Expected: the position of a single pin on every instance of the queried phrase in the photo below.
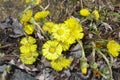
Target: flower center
(60, 32)
(28, 55)
(27, 44)
(51, 49)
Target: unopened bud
(84, 67)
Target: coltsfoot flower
(41, 15)
(96, 14)
(61, 63)
(27, 48)
(51, 50)
(26, 40)
(28, 58)
(28, 44)
(48, 26)
(26, 16)
(84, 12)
(76, 30)
(29, 28)
(61, 32)
(113, 48)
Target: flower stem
(93, 51)
(81, 3)
(81, 45)
(39, 28)
(102, 75)
(27, 8)
(107, 61)
(20, 14)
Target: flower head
(113, 48)
(84, 12)
(26, 16)
(96, 14)
(51, 50)
(48, 26)
(28, 39)
(41, 15)
(76, 30)
(60, 32)
(28, 58)
(28, 44)
(27, 48)
(29, 28)
(61, 63)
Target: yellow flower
(113, 48)
(26, 16)
(51, 50)
(41, 15)
(84, 12)
(84, 70)
(76, 30)
(29, 58)
(29, 28)
(61, 63)
(48, 26)
(28, 39)
(60, 32)
(28, 48)
(96, 14)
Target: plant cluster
(62, 37)
(59, 37)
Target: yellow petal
(84, 70)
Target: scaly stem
(93, 51)
(105, 77)
(81, 45)
(40, 29)
(20, 14)
(27, 8)
(107, 61)
(81, 3)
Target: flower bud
(83, 67)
